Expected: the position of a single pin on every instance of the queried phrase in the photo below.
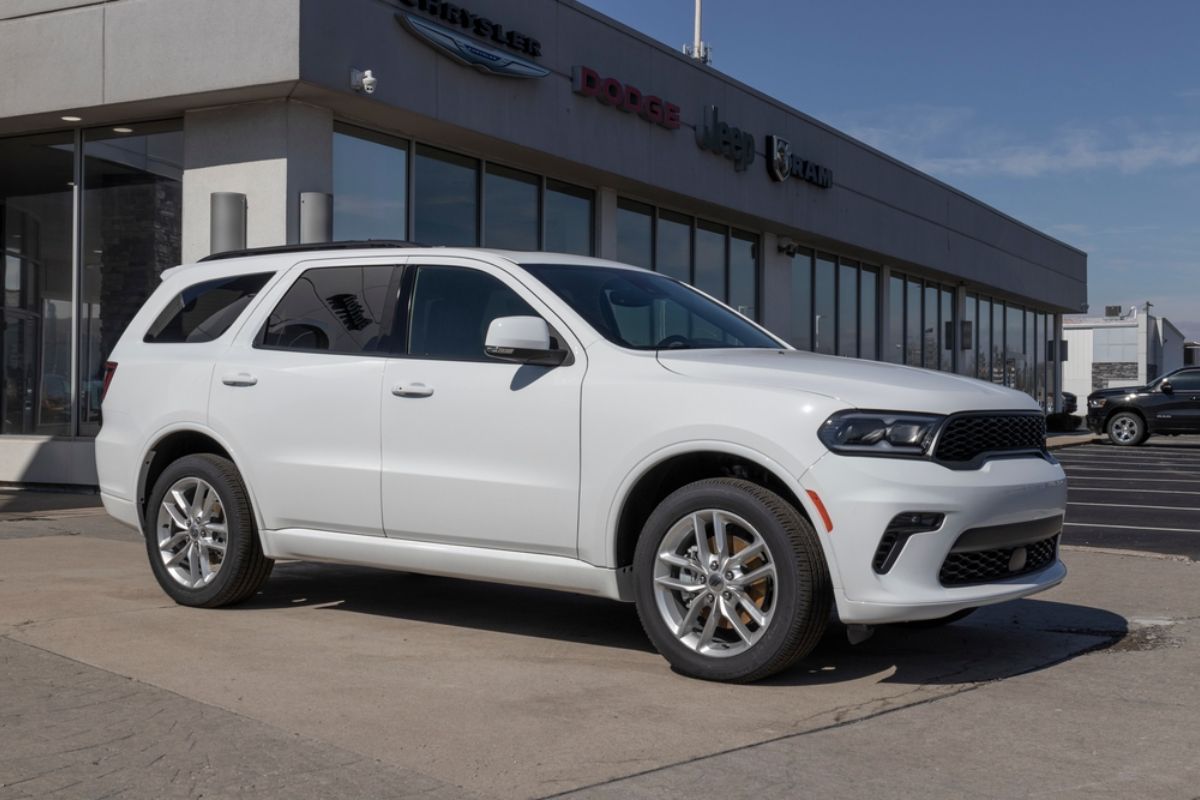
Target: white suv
(566, 423)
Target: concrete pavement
(451, 688)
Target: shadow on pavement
(993, 643)
(25, 501)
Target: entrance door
(477, 451)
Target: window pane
(802, 273)
(984, 339)
(370, 185)
(913, 333)
(999, 369)
(673, 251)
(35, 320)
(1186, 381)
(452, 308)
(445, 203)
(510, 209)
(1014, 366)
(333, 310)
(569, 215)
(929, 329)
(743, 273)
(847, 310)
(635, 237)
(966, 358)
(1030, 354)
(896, 327)
(132, 207)
(947, 331)
(868, 313)
(204, 311)
(710, 259)
(824, 304)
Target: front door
(1179, 410)
(299, 394)
(477, 451)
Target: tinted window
(452, 308)
(203, 311)
(1185, 381)
(334, 310)
(645, 311)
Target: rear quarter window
(205, 310)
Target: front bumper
(864, 494)
(1095, 420)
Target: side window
(343, 310)
(203, 311)
(452, 308)
(1186, 381)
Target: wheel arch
(171, 445)
(667, 471)
(1137, 412)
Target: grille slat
(984, 566)
(968, 436)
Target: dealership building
(139, 134)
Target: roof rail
(317, 246)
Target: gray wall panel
(51, 62)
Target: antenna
(698, 49)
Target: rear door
(1180, 409)
(298, 393)
(477, 451)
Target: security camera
(786, 245)
(363, 81)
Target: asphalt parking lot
(1135, 498)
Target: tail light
(110, 369)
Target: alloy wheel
(1124, 430)
(193, 532)
(715, 583)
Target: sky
(1079, 118)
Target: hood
(856, 382)
(1117, 391)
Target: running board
(448, 560)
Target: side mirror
(522, 340)
(1166, 387)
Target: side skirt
(453, 561)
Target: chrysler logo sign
(472, 52)
(782, 164)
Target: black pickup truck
(1168, 405)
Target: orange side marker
(821, 510)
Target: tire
(791, 603)
(1126, 429)
(940, 622)
(203, 575)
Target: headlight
(880, 433)
(1097, 402)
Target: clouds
(951, 142)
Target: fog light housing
(897, 534)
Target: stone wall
(1113, 373)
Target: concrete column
(270, 152)
(776, 290)
(606, 223)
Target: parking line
(1131, 505)
(1161, 471)
(1138, 462)
(1123, 480)
(1127, 527)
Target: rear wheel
(731, 581)
(201, 537)
(1126, 429)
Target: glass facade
(384, 186)
(122, 187)
(714, 258)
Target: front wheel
(201, 537)
(1126, 429)
(731, 582)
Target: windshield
(645, 311)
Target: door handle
(239, 379)
(412, 390)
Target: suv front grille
(967, 437)
(984, 566)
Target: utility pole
(698, 49)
